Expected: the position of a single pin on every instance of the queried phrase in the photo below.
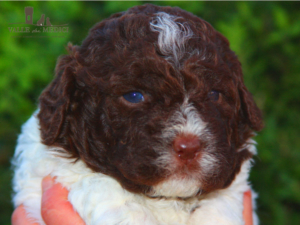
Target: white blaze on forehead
(172, 35)
(186, 121)
(194, 123)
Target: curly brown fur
(83, 112)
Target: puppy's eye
(134, 97)
(214, 95)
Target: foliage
(265, 36)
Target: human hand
(247, 212)
(57, 210)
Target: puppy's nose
(186, 147)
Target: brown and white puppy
(147, 122)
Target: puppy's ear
(56, 99)
(249, 110)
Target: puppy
(147, 122)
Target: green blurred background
(265, 36)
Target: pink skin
(57, 210)
(247, 212)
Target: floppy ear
(55, 100)
(249, 110)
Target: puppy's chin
(184, 180)
(176, 187)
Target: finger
(247, 212)
(56, 209)
(19, 217)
